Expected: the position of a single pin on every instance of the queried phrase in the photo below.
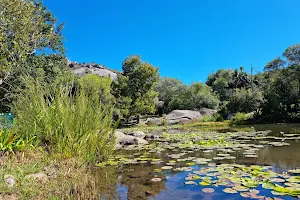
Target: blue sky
(187, 39)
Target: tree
(201, 96)
(96, 84)
(44, 67)
(134, 88)
(244, 100)
(26, 26)
(177, 95)
(219, 82)
(169, 89)
(282, 88)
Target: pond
(234, 163)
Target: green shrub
(213, 118)
(65, 120)
(241, 118)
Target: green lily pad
(205, 183)
(192, 178)
(191, 163)
(268, 185)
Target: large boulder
(154, 121)
(182, 116)
(138, 134)
(123, 139)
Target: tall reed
(64, 118)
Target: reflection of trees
(106, 181)
(285, 157)
(138, 181)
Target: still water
(133, 182)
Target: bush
(213, 118)
(63, 119)
(241, 118)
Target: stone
(140, 141)
(39, 177)
(154, 121)
(9, 180)
(177, 116)
(92, 68)
(122, 140)
(139, 134)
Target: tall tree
(26, 26)
(282, 88)
(134, 87)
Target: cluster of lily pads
(224, 144)
(245, 180)
(177, 152)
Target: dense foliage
(174, 94)
(25, 27)
(282, 88)
(134, 88)
(45, 67)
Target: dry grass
(67, 178)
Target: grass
(64, 118)
(192, 123)
(71, 179)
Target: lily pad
(190, 183)
(208, 190)
(230, 191)
(268, 185)
(166, 167)
(205, 183)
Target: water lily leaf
(191, 163)
(277, 180)
(268, 185)
(205, 183)
(166, 167)
(190, 183)
(192, 178)
(250, 184)
(294, 192)
(208, 190)
(281, 189)
(230, 191)
(240, 188)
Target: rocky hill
(92, 68)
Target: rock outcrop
(92, 68)
(124, 140)
(181, 116)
